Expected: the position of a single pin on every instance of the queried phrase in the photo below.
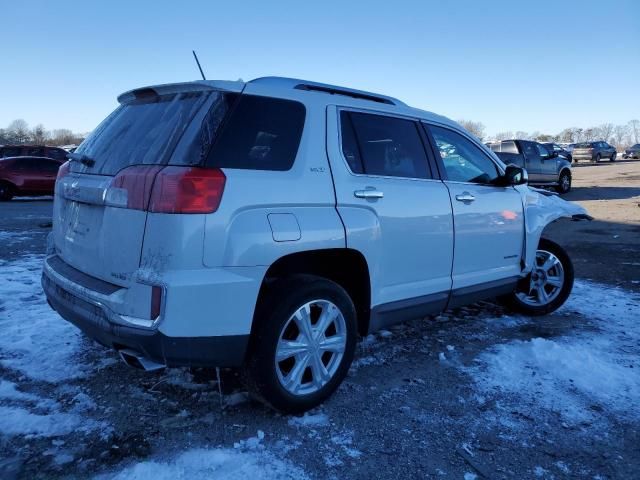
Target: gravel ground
(473, 393)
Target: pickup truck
(544, 166)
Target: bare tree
(634, 127)
(522, 135)
(39, 134)
(18, 131)
(503, 136)
(476, 128)
(590, 134)
(63, 136)
(605, 131)
(620, 133)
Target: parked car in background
(27, 176)
(55, 153)
(561, 151)
(632, 152)
(544, 166)
(266, 224)
(594, 152)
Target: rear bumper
(97, 321)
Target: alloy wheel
(545, 281)
(310, 347)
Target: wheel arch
(345, 266)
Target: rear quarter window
(261, 133)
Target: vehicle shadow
(601, 193)
(602, 163)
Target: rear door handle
(466, 197)
(368, 194)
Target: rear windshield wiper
(82, 158)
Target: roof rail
(325, 88)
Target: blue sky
(537, 65)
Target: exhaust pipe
(137, 360)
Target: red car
(56, 153)
(27, 176)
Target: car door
(49, 171)
(488, 219)
(533, 162)
(393, 210)
(548, 163)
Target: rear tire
(613, 158)
(6, 191)
(551, 280)
(564, 183)
(597, 159)
(309, 324)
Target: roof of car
(348, 96)
(30, 157)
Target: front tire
(564, 183)
(548, 286)
(303, 343)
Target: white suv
(265, 225)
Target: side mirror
(514, 175)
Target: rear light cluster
(167, 189)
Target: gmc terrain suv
(265, 225)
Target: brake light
(187, 190)
(64, 170)
(167, 189)
(131, 187)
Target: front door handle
(368, 194)
(466, 197)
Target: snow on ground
(581, 374)
(248, 459)
(8, 238)
(35, 340)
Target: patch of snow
(442, 357)
(385, 333)
(35, 340)
(310, 420)
(470, 476)
(221, 464)
(18, 421)
(576, 373)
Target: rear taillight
(187, 190)
(131, 187)
(64, 170)
(167, 189)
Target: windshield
(583, 145)
(147, 130)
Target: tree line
(620, 136)
(18, 132)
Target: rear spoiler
(168, 88)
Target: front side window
(261, 133)
(542, 150)
(381, 145)
(463, 160)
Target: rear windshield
(583, 145)
(234, 131)
(507, 146)
(144, 131)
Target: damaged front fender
(540, 209)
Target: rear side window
(56, 154)
(11, 152)
(381, 145)
(261, 133)
(143, 131)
